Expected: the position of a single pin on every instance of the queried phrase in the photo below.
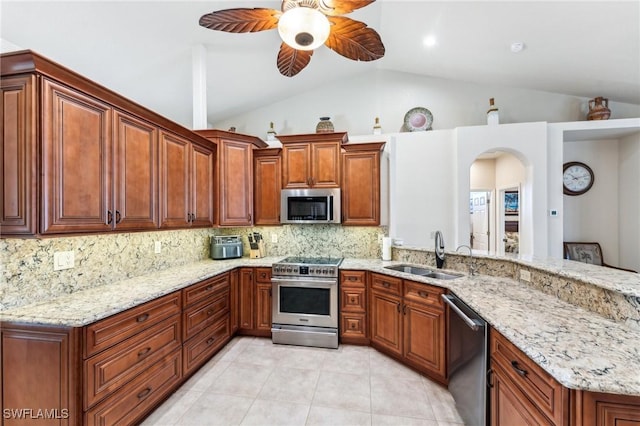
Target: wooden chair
(587, 253)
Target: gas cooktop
(304, 260)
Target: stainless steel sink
(423, 272)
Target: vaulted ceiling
(144, 49)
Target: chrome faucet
(472, 263)
(439, 249)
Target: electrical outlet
(63, 260)
(157, 248)
(525, 275)
(380, 237)
(274, 238)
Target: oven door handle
(304, 281)
(292, 330)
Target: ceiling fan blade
(354, 40)
(341, 7)
(243, 20)
(291, 61)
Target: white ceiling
(143, 49)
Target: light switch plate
(157, 247)
(525, 275)
(63, 260)
(274, 238)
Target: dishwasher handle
(473, 324)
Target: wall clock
(577, 178)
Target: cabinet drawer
(139, 395)
(204, 314)
(110, 369)
(353, 299)
(263, 275)
(542, 389)
(387, 284)
(199, 349)
(353, 278)
(423, 293)
(353, 325)
(204, 289)
(115, 329)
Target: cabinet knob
(210, 312)
(143, 317)
(210, 340)
(353, 300)
(385, 284)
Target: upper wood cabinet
(234, 176)
(18, 147)
(311, 160)
(78, 158)
(267, 181)
(361, 184)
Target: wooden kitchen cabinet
(41, 366)
(603, 409)
(408, 321)
(353, 307)
(267, 182)
(186, 183)
(521, 390)
(18, 148)
(263, 302)
(234, 176)
(255, 301)
(79, 158)
(361, 184)
(246, 302)
(312, 160)
(234, 297)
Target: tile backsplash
(26, 265)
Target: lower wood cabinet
(603, 409)
(353, 308)
(408, 321)
(255, 301)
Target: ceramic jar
(599, 109)
(325, 125)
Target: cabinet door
(246, 299)
(266, 187)
(202, 190)
(325, 165)
(296, 166)
(424, 341)
(135, 173)
(18, 109)
(234, 277)
(76, 161)
(509, 406)
(386, 322)
(174, 181)
(263, 308)
(41, 368)
(601, 409)
(236, 183)
(361, 188)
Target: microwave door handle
(330, 205)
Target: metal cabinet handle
(109, 217)
(144, 393)
(519, 370)
(404, 310)
(398, 307)
(210, 340)
(490, 378)
(142, 318)
(385, 284)
(118, 217)
(210, 312)
(144, 352)
(209, 287)
(423, 294)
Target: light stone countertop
(581, 349)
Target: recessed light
(429, 41)
(517, 47)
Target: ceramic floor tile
(341, 390)
(304, 358)
(241, 380)
(261, 355)
(170, 412)
(386, 420)
(400, 397)
(326, 416)
(206, 376)
(350, 360)
(264, 413)
(290, 384)
(213, 410)
(382, 365)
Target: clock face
(577, 178)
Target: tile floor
(253, 382)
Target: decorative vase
(493, 117)
(599, 109)
(377, 129)
(271, 133)
(325, 125)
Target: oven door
(311, 302)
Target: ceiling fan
(305, 25)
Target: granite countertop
(581, 349)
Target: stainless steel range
(305, 301)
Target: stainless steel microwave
(311, 205)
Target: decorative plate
(418, 119)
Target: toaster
(226, 247)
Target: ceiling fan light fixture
(304, 28)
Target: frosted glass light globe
(304, 28)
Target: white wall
(527, 142)
(510, 171)
(593, 216)
(629, 202)
(422, 184)
(483, 174)
(354, 103)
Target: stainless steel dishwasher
(467, 338)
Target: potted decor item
(599, 109)
(325, 125)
